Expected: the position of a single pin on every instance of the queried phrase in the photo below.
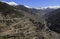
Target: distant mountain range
(39, 11)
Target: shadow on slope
(53, 20)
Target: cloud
(12, 3)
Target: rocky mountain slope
(54, 19)
(20, 24)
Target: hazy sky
(37, 3)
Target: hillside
(54, 19)
(20, 24)
(16, 23)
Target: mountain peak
(51, 7)
(12, 3)
(27, 6)
(15, 4)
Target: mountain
(22, 7)
(54, 19)
(46, 10)
(33, 10)
(39, 12)
(18, 22)
(51, 7)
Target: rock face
(19, 24)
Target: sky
(36, 3)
